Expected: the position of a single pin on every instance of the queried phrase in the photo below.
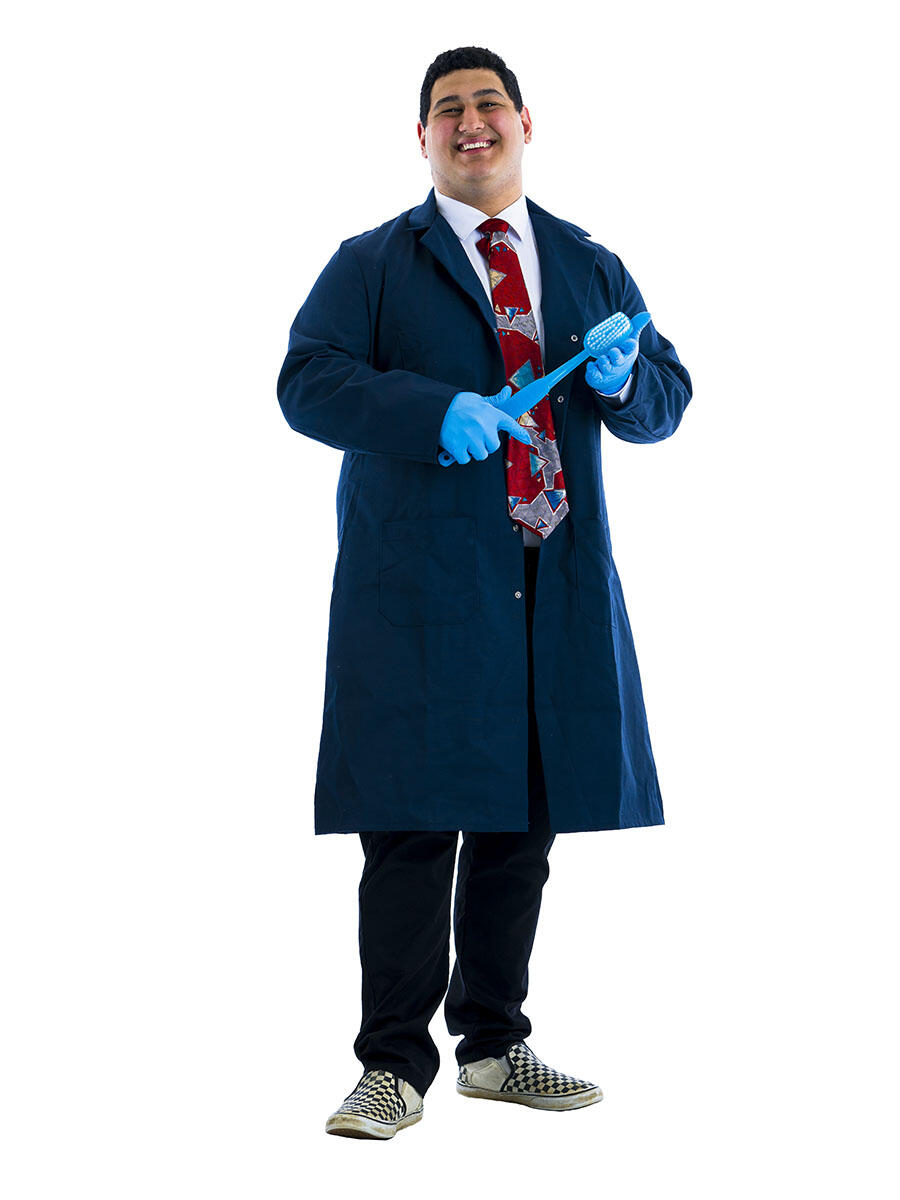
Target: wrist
(614, 387)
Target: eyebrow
(480, 92)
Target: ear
(525, 116)
(420, 130)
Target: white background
(181, 968)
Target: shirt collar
(463, 219)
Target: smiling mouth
(479, 147)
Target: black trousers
(404, 927)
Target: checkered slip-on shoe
(522, 1078)
(378, 1106)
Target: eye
(485, 104)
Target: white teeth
(473, 145)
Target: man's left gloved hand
(609, 373)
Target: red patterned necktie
(536, 492)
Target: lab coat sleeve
(660, 385)
(327, 389)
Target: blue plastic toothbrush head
(599, 339)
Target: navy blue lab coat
(425, 723)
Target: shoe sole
(551, 1103)
(355, 1126)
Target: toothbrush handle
(546, 382)
(530, 395)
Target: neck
(490, 203)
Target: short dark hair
(467, 58)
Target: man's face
(470, 107)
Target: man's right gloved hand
(472, 422)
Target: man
(481, 675)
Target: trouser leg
(404, 946)
(498, 897)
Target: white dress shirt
(464, 220)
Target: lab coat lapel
(443, 243)
(567, 265)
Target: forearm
(328, 389)
(652, 411)
(351, 406)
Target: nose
(470, 121)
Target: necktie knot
(491, 226)
(494, 225)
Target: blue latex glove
(471, 425)
(609, 373)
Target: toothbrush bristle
(606, 334)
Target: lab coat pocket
(427, 571)
(594, 569)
